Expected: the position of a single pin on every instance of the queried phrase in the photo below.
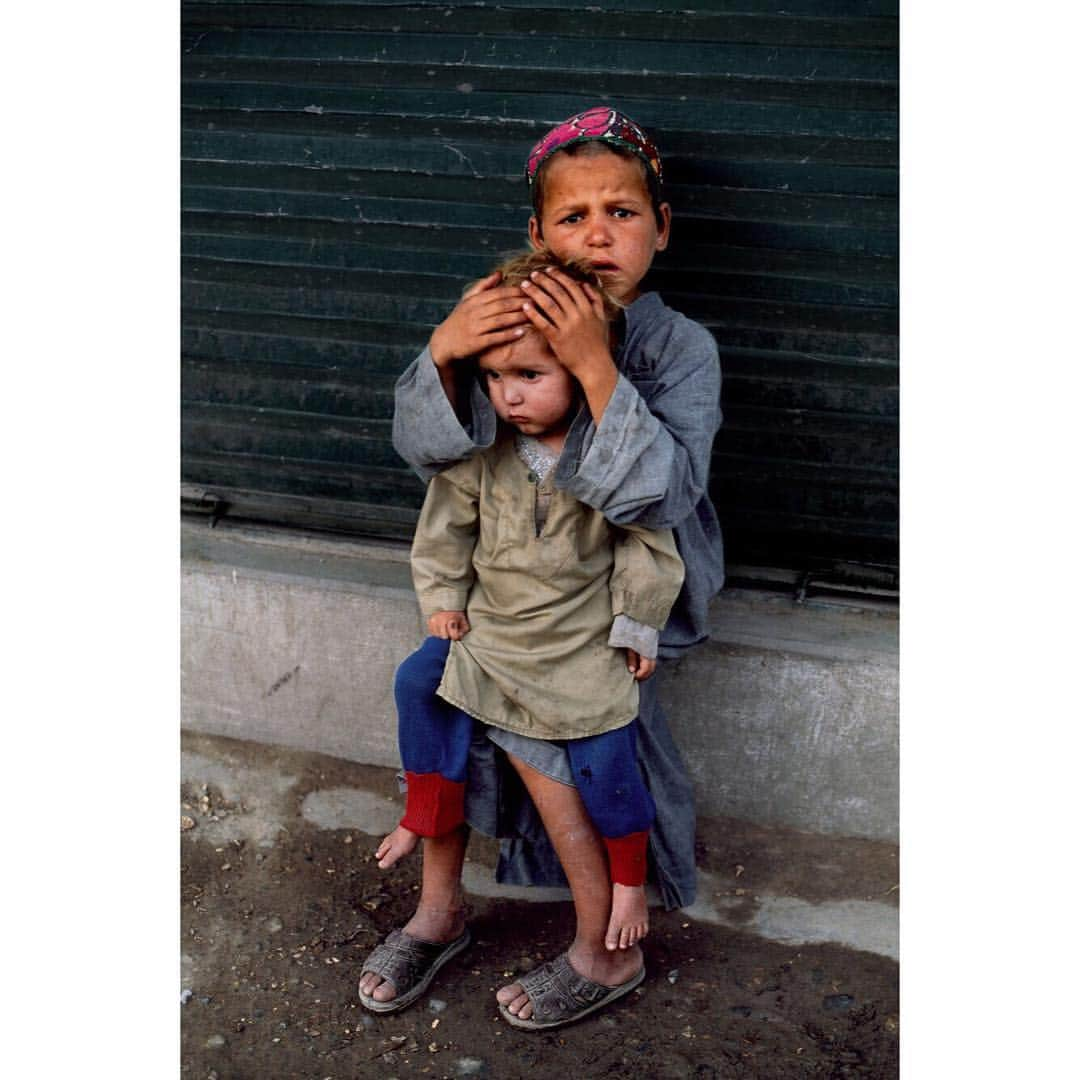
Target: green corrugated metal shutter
(349, 167)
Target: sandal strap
(402, 960)
(557, 991)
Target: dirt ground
(274, 933)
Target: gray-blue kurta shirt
(647, 463)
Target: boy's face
(528, 386)
(597, 208)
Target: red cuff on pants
(626, 856)
(433, 804)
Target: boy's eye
(491, 376)
(570, 219)
(622, 212)
(528, 376)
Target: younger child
(530, 595)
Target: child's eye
(570, 219)
(528, 376)
(622, 212)
(491, 376)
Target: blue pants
(434, 737)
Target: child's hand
(488, 314)
(448, 624)
(570, 315)
(641, 666)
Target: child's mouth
(604, 267)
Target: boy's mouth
(604, 266)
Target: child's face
(528, 386)
(597, 208)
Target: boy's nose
(598, 234)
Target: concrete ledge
(788, 716)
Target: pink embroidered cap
(601, 124)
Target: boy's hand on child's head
(487, 315)
(448, 624)
(570, 315)
(640, 666)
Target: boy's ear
(664, 235)
(536, 237)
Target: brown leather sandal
(559, 995)
(409, 965)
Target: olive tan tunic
(537, 659)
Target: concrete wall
(788, 716)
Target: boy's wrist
(598, 378)
(442, 352)
(594, 367)
(435, 348)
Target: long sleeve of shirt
(646, 577)
(426, 431)
(442, 551)
(647, 462)
(645, 584)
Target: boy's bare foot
(396, 845)
(629, 921)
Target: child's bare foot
(629, 921)
(396, 845)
